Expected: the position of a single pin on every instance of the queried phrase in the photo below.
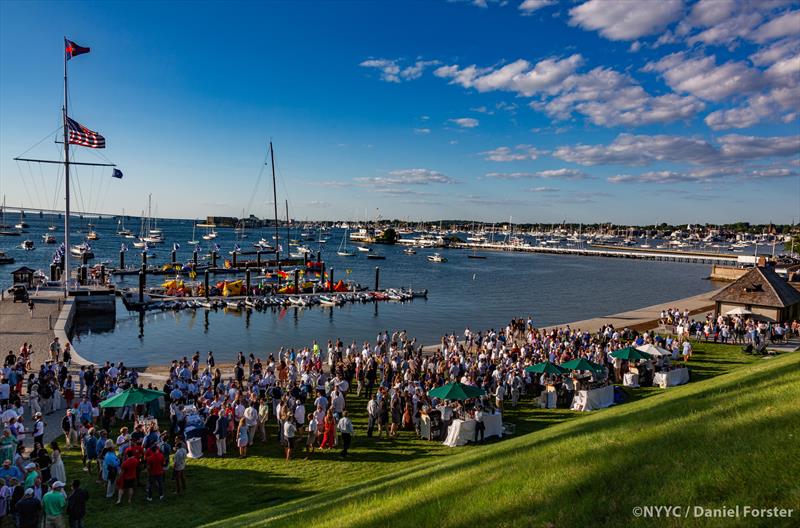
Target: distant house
(761, 292)
(23, 275)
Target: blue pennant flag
(236, 248)
(176, 246)
(216, 247)
(123, 248)
(117, 174)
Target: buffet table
(630, 380)
(463, 431)
(588, 400)
(670, 378)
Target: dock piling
(377, 277)
(331, 279)
(121, 260)
(205, 281)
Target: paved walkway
(17, 326)
(646, 318)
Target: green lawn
(713, 441)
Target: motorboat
(436, 257)
(82, 250)
(92, 235)
(363, 249)
(27, 245)
(410, 251)
(48, 238)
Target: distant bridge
(39, 210)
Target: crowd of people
(300, 398)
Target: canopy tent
(739, 310)
(630, 354)
(545, 367)
(581, 364)
(456, 391)
(132, 396)
(653, 350)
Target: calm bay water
(462, 292)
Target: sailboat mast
(66, 181)
(275, 203)
(287, 226)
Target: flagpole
(66, 180)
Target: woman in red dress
(329, 430)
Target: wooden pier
(670, 255)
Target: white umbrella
(738, 311)
(653, 350)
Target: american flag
(80, 135)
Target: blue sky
(629, 112)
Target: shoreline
(644, 318)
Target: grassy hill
(730, 437)
(729, 440)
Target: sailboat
(140, 243)
(121, 231)
(343, 250)
(193, 241)
(4, 231)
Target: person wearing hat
(38, 429)
(54, 504)
(29, 510)
(30, 474)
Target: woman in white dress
(57, 470)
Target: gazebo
(762, 293)
(23, 275)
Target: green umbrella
(630, 354)
(545, 367)
(456, 391)
(132, 396)
(580, 364)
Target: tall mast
(66, 181)
(287, 227)
(275, 203)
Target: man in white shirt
(345, 427)
(251, 420)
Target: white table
(630, 380)
(463, 431)
(588, 400)
(677, 376)
(548, 400)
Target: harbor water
(479, 293)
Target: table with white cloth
(548, 400)
(588, 400)
(630, 380)
(194, 447)
(670, 378)
(463, 431)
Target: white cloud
(705, 175)
(609, 98)
(529, 6)
(465, 122)
(628, 149)
(392, 70)
(409, 177)
(319, 203)
(422, 131)
(550, 174)
(738, 147)
(518, 153)
(519, 76)
(700, 76)
(621, 20)
(776, 52)
(781, 104)
(782, 26)
(543, 190)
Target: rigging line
(255, 190)
(40, 141)
(43, 190)
(25, 184)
